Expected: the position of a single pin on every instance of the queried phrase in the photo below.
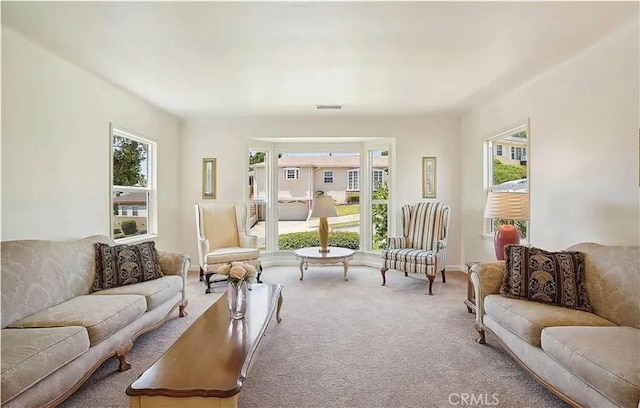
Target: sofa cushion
(404, 255)
(120, 265)
(549, 277)
(606, 358)
(527, 319)
(29, 355)
(231, 255)
(100, 315)
(155, 292)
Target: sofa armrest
(175, 263)
(487, 279)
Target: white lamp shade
(323, 207)
(507, 205)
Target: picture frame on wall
(429, 177)
(209, 177)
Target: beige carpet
(351, 344)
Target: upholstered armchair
(423, 246)
(221, 230)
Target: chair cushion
(155, 292)
(607, 358)
(526, 319)
(232, 254)
(120, 265)
(29, 355)
(542, 276)
(100, 315)
(409, 255)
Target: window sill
(137, 239)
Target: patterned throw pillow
(555, 278)
(121, 265)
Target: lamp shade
(323, 207)
(507, 205)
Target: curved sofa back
(612, 275)
(38, 274)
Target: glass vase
(237, 299)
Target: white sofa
(587, 359)
(56, 332)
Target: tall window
(353, 179)
(507, 172)
(379, 199)
(133, 185)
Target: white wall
(226, 140)
(583, 150)
(56, 145)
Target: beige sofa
(587, 359)
(55, 332)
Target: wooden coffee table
(313, 255)
(210, 361)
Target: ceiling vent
(334, 107)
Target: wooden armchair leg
(383, 271)
(201, 274)
(431, 279)
(259, 273)
(444, 280)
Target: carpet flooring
(351, 344)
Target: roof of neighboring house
(131, 198)
(327, 161)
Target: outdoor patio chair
(423, 246)
(221, 230)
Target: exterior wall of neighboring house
(295, 195)
(511, 151)
(337, 188)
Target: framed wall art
(209, 178)
(429, 178)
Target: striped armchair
(423, 246)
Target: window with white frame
(353, 179)
(499, 150)
(518, 153)
(132, 185)
(504, 174)
(377, 178)
(291, 173)
(327, 177)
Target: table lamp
(506, 205)
(322, 208)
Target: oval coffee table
(312, 255)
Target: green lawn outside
(347, 209)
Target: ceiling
(202, 59)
